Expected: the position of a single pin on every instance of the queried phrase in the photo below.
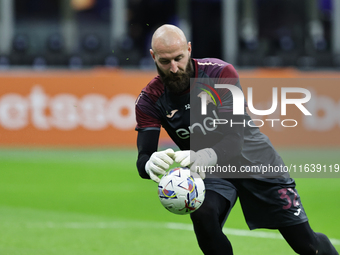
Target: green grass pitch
(71, 202)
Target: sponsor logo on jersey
(206, 125)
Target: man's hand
(158, 163)
(196, 160)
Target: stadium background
(70, 72)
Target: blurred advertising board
(69, 108)
(96, 107)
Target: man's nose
(174, 67)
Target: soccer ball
(181, 191)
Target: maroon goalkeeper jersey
(157, 107)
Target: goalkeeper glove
(196, 160)
(158, 163)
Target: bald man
(170, 100)
(171, 53)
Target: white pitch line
(240, 232)
(156, 225)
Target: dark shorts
(265, 204)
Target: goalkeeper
(168, 101)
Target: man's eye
(164, 62)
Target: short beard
(177, 82)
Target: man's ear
(152, 54)
(189, 48)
